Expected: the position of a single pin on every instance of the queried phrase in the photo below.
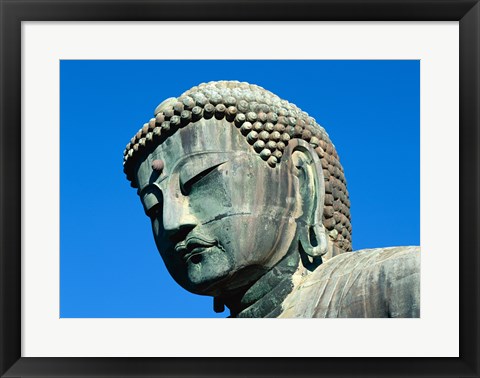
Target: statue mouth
(193, 247)
(195, 256)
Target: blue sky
(109, 265)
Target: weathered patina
(248, 203)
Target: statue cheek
(252, 239)
(211, 199)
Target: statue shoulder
(380, 282)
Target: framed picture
(86, 314)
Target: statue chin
(203, 270)
(212, 272)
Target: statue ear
(305, 164)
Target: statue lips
(194, 245)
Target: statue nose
(177, 218)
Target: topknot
(268, 124)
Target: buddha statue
(248, 203)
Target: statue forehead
(205, 137)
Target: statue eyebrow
(141, 192)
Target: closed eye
(154, 211)
(187, 186)
(152, 200)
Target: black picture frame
(13, 12)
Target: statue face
(220, 215)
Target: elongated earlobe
(307, 167)
(313, 239)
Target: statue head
(234, 179)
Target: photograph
(240, 189)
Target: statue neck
(265, 297)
